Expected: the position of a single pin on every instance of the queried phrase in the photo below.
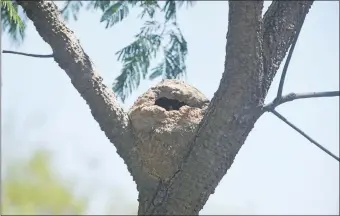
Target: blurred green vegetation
(34, 186)
(30, 187)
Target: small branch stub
(165, 118)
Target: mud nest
(165, 118)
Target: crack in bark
(161, 193)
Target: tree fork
(255, 49)
(229, 119)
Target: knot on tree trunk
(165, 118)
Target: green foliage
(149, 7)
(136, 58)
(71, 8)
(95, 5)
(151, 40)
(31, 188)
(173, 64)
(12, 23)
(155, 38)
(116, 12)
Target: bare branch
(70, 56)
(305, 135)
(296, 96)
(28, 54)
(290, 97)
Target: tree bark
(71, 57)
(254, 52)
(255, 48)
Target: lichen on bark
(164, 135)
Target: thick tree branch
(235, 106)
(290, 54)
(230, 116)
(70, 56)
(28, 54)
(281, 23)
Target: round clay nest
(169, 105)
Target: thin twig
(296, 96)
(28, 54)
(291, 50)
(304, 134)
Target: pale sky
(277, 171)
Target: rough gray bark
(230, 116)
(71, 57)
(280, 23)
(255, 48)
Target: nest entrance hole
(169, 104)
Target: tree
(255, 49)
(31, 188)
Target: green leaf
(149, 7)
(136, 59)
(177, 41)
(71, 7)
(137, 56)
(173, 64)
(123, 83)
(190, 3)
(149, 27)
(170, 10)
(157, 71)
(99, 4)
(115, 13)
(12, 23)
(173, 68)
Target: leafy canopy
(154, 39)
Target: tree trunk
(255, 49)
